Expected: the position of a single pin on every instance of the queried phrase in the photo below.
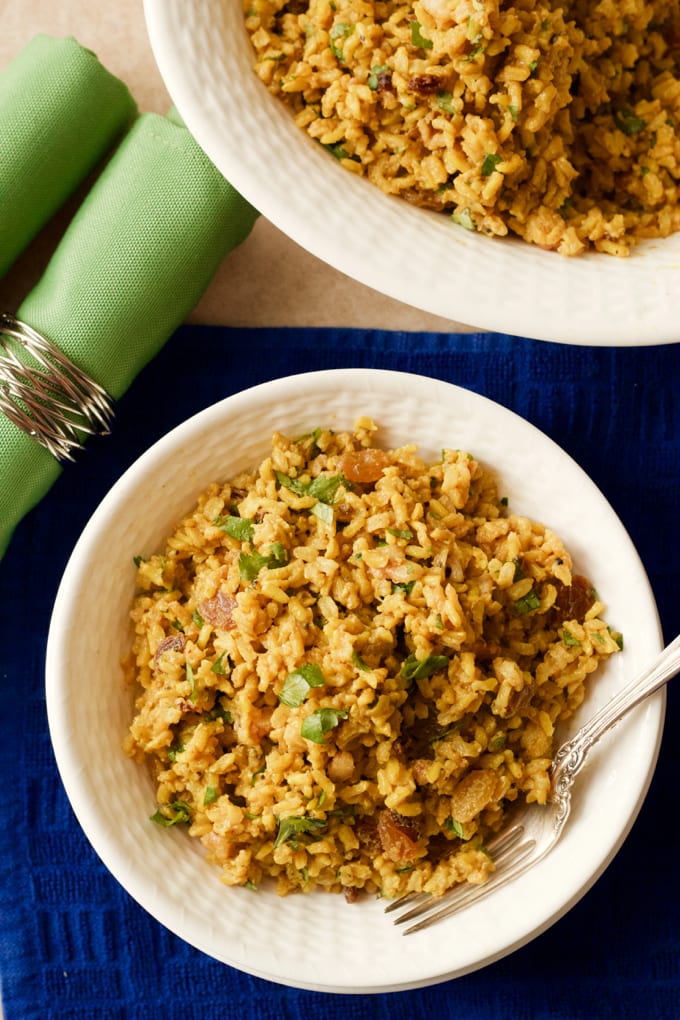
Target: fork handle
(571, 756)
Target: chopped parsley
(295, 485)
(250, 564)
(210, 796)
(373, 80)
(176, 813)
(191, 678)
(359, 663)
(445, 102)
(240, 528)
(316, 725)
(491, 161)
(218, 666)
(527, 602)
(175, 750)
(405, 533)
(475, 51)
(455, 827)
(323, 511)
(418, 669)
(298, 684)
(463, 219)
(295, 825)
(629, 123)
(340, 152)
(337, 35)
(417, 37)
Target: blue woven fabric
(73, 944)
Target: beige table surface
(269, 280)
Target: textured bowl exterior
(413, 255)
(318, 941)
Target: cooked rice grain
(555, 122)
(352, 663)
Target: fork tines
(507, 850)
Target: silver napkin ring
(45, 394)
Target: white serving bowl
(414, 255)
(318, 941)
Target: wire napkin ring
(48, 396)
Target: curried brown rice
(349, 663)
(557, 122)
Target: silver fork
(534, 830)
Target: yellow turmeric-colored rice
(349, 664)
(557, 122)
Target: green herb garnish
(189, 673)
(455, 827)
(491, 161)
(445, 102)
(294, 825)
(519, 574)
(175, 750)
(176, 813)
(218, 666)
(316, 725)
(463, 219)
(405, 533)
(294, 484)
(629, 123)
(527, 603)
(373, 80)
(240, 528)
(323, 487)
(298, 684)
(323, 511)
(359, 663)
(418, 669)
(339, 32)
(417, 37)
(210, 796)
(250, 564)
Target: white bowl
(318, 941)
(411, 254)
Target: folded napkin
(133, 262)
(60, 113)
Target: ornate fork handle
(571, 756)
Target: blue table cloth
(75, 946)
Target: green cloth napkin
(133, 262)
(60, 113)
